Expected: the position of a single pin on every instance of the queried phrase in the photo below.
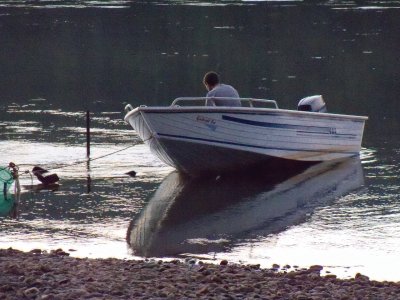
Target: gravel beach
(56, 275)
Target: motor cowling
(312, 103)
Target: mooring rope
(81, 161)
(90, 159)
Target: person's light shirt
(223, 91)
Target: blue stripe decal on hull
(260, 113)
(250, 146)
(301, 128)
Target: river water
(61, 58)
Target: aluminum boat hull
(197, 140)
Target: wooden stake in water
(88, 135)
(88, 150)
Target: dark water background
(60, 58)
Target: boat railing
(210, 101)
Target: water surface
(61, 58)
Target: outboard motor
(312, 103)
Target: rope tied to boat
(90, 159)
(74, 163)
(149, 138)
(10, 173)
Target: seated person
(217, 89)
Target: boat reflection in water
(200, 216)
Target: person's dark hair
(211, 78)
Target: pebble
(31, 292)
(223, 262)
(64, 277)
(275, 266)
(36, 251)
(315, 268)
(48, 297)
(361, 277)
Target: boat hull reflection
(199, 216)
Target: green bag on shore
(6, 178)
(6, 204)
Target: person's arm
(210, 101)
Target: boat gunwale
(243, 110)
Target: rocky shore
(56, 275)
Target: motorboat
(191, 215)
(195, 138)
